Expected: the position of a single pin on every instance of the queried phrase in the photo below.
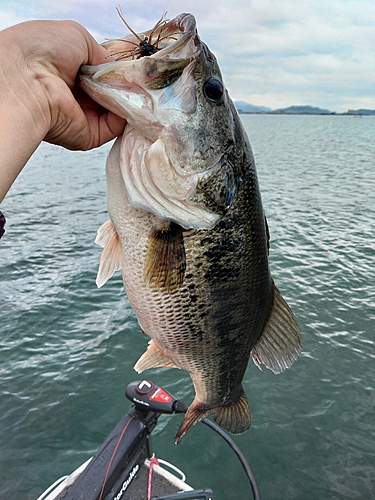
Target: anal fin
(153, 358)
(193, 415)
(165, 262)
(280, 343)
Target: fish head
(182, 148)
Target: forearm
(19, 138)
(22, 114)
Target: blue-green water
(67, 349)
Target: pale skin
(39, 96)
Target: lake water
(67, 349)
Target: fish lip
(186, 23)
(95, 72)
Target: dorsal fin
(280, 343)
(110, 260)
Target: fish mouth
(133, 86)
(176, 45)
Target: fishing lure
(146, 46)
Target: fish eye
(214, 89)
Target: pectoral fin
(110, 260)
(280, 343)
(153, 358)
(165, 262)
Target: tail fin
(235, 418)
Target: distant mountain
(303, 110)
(246, 107)
(361, 112)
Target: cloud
(292, 51)
(271, 52)
(11, 17)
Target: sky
(274, 53)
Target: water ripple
(67, 349)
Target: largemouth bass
(187, 227)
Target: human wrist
(20, 81)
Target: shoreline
(302, 113)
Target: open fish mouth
(166, 50)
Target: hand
(40, 99)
